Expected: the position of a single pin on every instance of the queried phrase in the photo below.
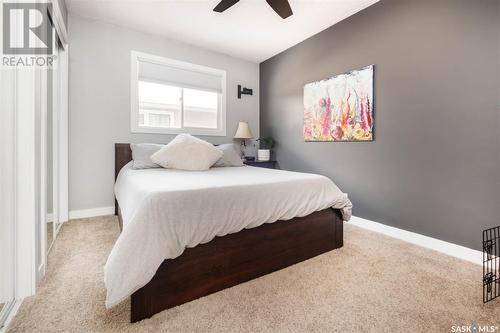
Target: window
(169, 96)
(159, 105)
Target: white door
(7, 194)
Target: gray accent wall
(99, 101)
(434, 167)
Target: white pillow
(231, 157)
(141, 155)
(185, 152)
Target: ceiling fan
(281, 7)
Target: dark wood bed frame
(233, 259)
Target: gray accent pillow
(141, 155)
(231, 157)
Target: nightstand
(262, 164)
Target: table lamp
(243, 132)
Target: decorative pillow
(141, 155)
(231, 157)
(185, 152)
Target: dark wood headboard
(123, 155)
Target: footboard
(233, 259)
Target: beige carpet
(50, 234)
(374, 283)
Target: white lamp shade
(243, 131)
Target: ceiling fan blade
(281, 7)
(224, 4)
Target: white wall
(99, 100)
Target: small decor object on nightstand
(243, 132)
(265, 146)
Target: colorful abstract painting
(340, 108)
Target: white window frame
(134, 96)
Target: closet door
(26, 95)
(57, 146)
(51, 209)
(58, 86)
(7, 191)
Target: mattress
(165, 211)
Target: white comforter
(165, 211)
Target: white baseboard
(450, 249)
(93, 212)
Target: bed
(185, 235)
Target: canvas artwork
(340, 108)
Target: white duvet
(165, 211)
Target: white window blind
(180, 77)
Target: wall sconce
(244, 91)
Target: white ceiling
(249, 30)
